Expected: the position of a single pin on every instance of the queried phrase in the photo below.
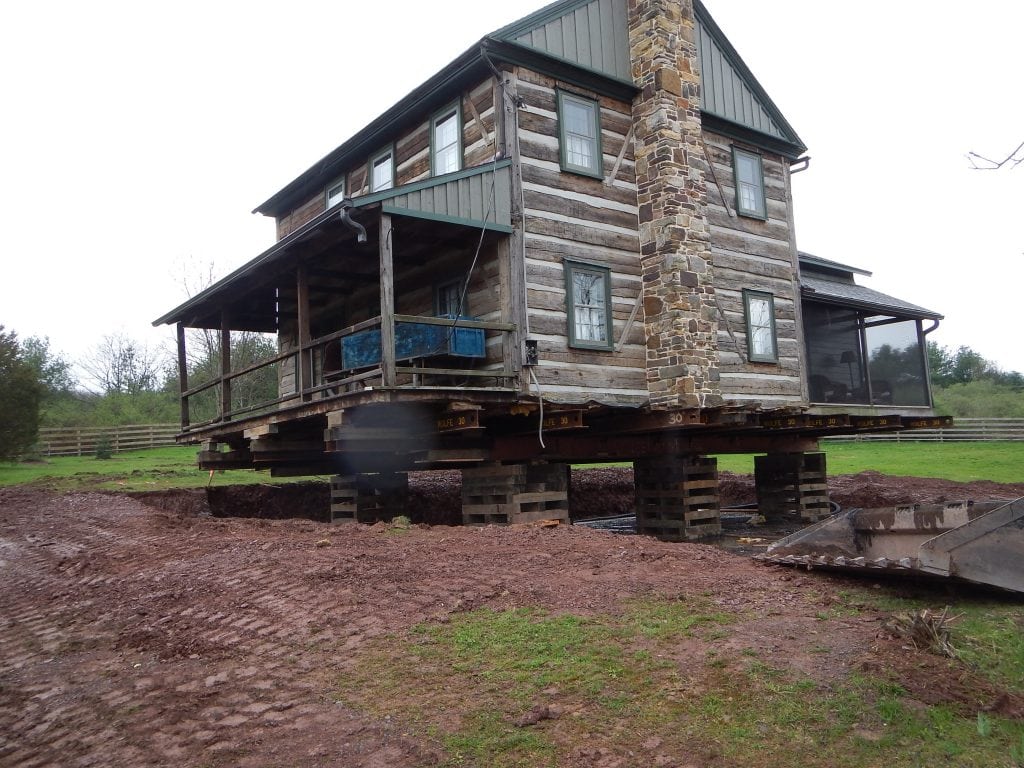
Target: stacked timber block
(368, 498)
(792, 483)
(503, 494)
(677, 497)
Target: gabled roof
(589, 33)
(730, 92)
(584, 42)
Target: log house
(574, 243)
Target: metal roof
(849, 294)
(810, 260)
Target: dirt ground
(139, 633)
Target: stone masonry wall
(675, 253)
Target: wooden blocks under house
(677, 497)
(504, 494)
(792, 483)
(368, 498)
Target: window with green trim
(749, 177)
(589, 305)
(382, 170)
(579, 135)
(759, 309)
(335, 192)
(445, 141)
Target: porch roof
(466, 198)
(859, 297)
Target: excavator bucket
(977, 542)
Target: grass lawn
(626, 681)
(175, 467)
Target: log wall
(568, 216)
(760, 255)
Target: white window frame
(450, 113)
(595, 167)
(335, 192)
(385, 154)
(750, 200)
(573, 308)
(760, 327)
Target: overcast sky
(136, 138)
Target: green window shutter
(579, 135)
(759, 310)
(588, 300)
(749, 177)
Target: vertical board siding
(593, 36)
(568, 216)
(754, 254)
(725, 93)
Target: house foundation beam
(677, 497)
(505, 494)
(792, 483)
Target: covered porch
(409, 289)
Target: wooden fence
(82, 441)
(962, 430)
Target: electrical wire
(540, 399)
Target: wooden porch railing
(311, 381)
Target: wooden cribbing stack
(502, 494)
(792, 483)
(677, 497)
(368, 498)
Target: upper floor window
(445, 144)
(589, 304)
(749, 183)
(382, 171)
(579, 134)
(759, 308)
(336, 192)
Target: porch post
(183, 375)
(302, 373)
(387, 304)
(225, 366)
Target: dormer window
(749, 183)
(382, 171)
(335, 192)
(446, 149)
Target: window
(579, 135)
(336, 192)
(759, 308)
(589, 303)
(749, 183)
(448, 296)
(445, 144)
(382, 171)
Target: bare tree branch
(994, 165)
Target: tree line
(120, 381)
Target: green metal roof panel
(589, 33)
(729, 89)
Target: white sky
(136, 137)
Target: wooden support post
(515, 243)
(183, 375)
(303, 379)
(225, 366)
(387, 303)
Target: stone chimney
(675, 253)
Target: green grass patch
(147, 470)
(620, 682)
(1001, 462)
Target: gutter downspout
(346, 218)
